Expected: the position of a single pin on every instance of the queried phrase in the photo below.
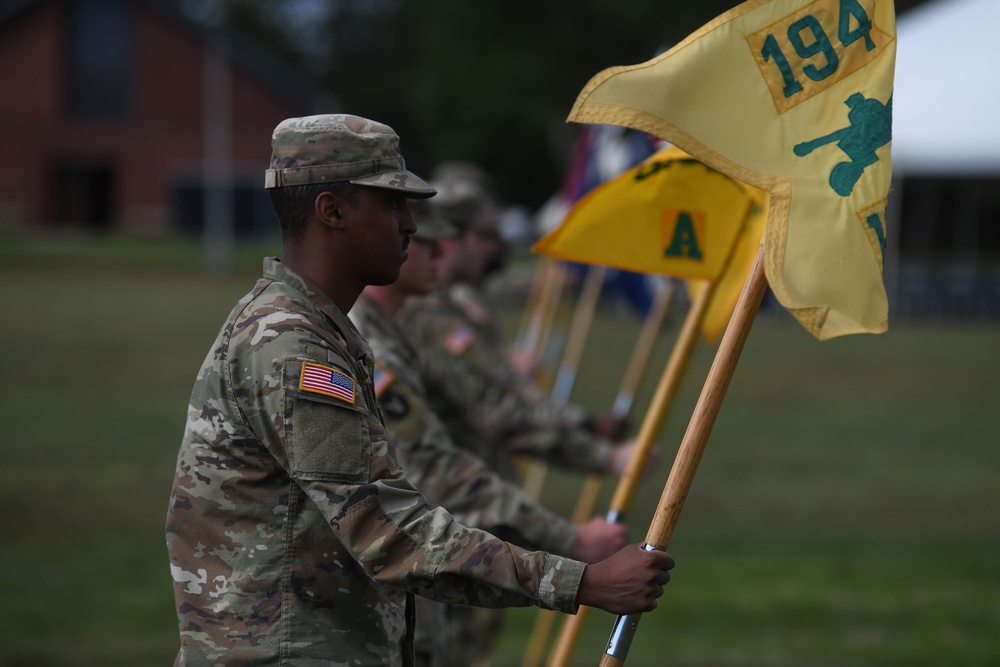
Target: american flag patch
(459, 339)
(383, 378)
(476, 313)
(327, 381)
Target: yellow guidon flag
(669, 215)
(729, 284)
(793, 97)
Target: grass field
(845, 513)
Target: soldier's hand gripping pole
(694, 441)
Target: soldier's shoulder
(429, 311)
(472, 304)
(278, 322)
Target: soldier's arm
(559, 437)
(337, 451)
(473, 377)
(462, 483)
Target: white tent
(946, 105)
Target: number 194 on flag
(798, 58)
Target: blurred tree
(486, 81)
(493, 81)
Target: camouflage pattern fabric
(340, 147)
(476, 312)
(483, 404)
(294, 537)
(454, 478)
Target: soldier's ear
(330, 209)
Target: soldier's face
(381, 231)
(463, 260)
(419, 274)
(484, 248)
(496, 254)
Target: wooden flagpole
(524, 340)
(562, 387)
(693, 444)
(622, 406)
(583, 317)
(561, 392)
(532, 474)
(663, 398)
(549, 307)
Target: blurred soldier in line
(447, 475)
(293, 534)
(468, 197)
(466, 370)
(485, 405)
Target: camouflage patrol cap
(431, 225)
(466, 196)
(340, 147)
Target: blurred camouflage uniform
(464, 366)
(482, 401)
(484, 406)
(293, 535)
(451, 477)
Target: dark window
(949, 241)
(101, 53)
(84, 195)
(949, 217)
(253, 216)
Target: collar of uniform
(356, 345)
(374, 316)
(448, 301)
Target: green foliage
(844, 512)
(486, 81)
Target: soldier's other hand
(629, 582)
(525, 364)
(597, 539)
(622, 454)
(610, 426)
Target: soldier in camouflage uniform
(486, 406)
(293, 534)
(445, 474)
(465, 368)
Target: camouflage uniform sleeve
(555, 435)
(337, 451)
(461, 481)
(474, 376)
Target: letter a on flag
(793, 97)
(669, 215)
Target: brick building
(116, 113)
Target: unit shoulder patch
(394, 405)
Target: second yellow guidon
(669, 215)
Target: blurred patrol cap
(431, 225)
(466, 196)
(340, 147)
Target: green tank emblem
(870, 128)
